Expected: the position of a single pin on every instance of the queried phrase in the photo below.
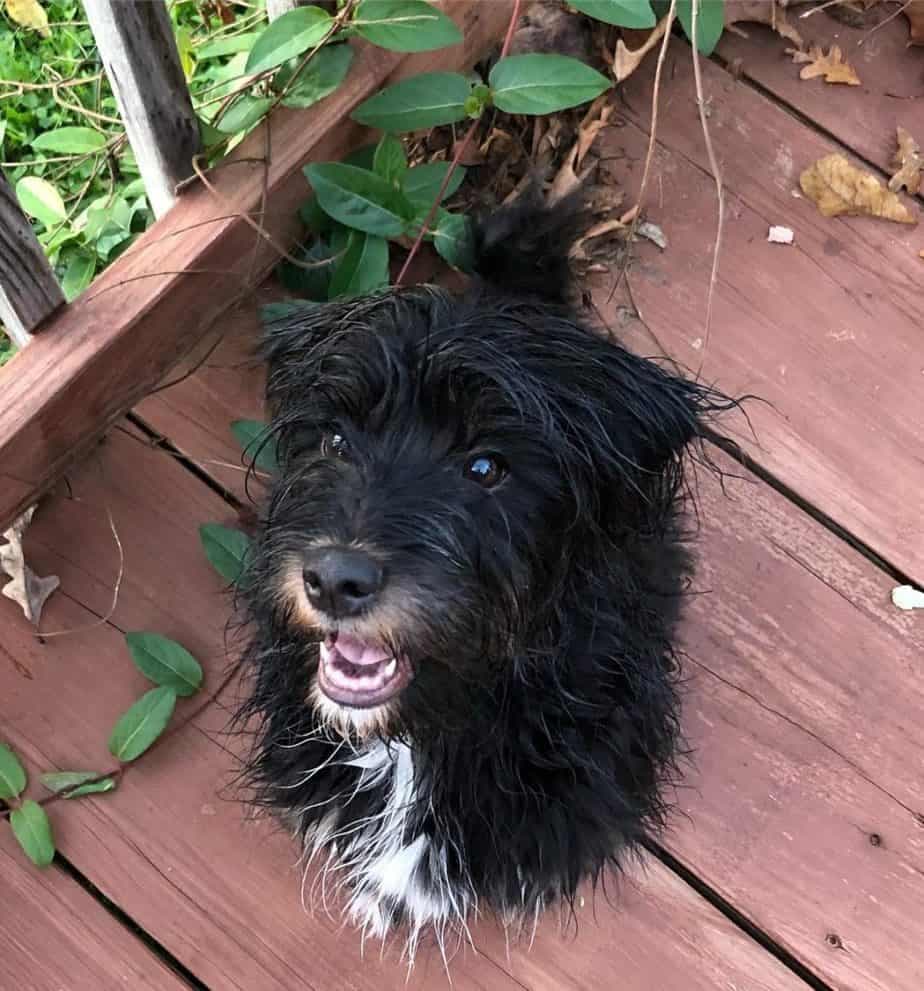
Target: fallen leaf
(831, 65)
(907, 597)
(914, 11)
(596, 118)
(24, 587)
(29, 14)
(578, 251)
(626, 60)
(780, 235)
(837, 187)
(908, 161)
(761, 12)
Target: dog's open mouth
(360, 673)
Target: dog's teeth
(391, 667)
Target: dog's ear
(291, 331)
(638, 418)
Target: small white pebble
(696, 344)
(906, 597)
(780, 235)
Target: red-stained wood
(53, 935)
(863, 118)
(826, 331)
(173, 848)
(108, 348)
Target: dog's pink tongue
(360, 652)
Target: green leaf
(427, 100)
(12, 773)
(225, 548)
(543, 84)
(362, 268)
(70, 141)
(405, 25)
(710, 22)
(226, 46)
(256, 442)
(288, 308)
(422, 182)
(58, 781)
(454, 241)
(184, 48)
(41, 200)
(133, 189)
(359, 199)
(165, 662)
(320, 77)
(287, 37)
(310, 282)
(314, 218)
(142, 724)
(389, 160)
(79, 274)
(33, 832)
(244, 113)
(362, 158)
(623, 13)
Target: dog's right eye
(333, 445)
(487, 470)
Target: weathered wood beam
(118, 339)
(139, 54)
(29, 291)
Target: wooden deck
(800, 860)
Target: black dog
(463, 590)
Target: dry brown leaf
(914, 11)
(762, 12)
(831, 65)
(24, 587)
(626, 60)
(909, 162)
(837, 187)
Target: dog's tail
(522, 248)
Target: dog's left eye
(334, 444)
(487, 470)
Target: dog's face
(447, 468)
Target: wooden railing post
(136, 44)
(29, 291)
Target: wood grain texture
(138, 50)
(115, 342)
(174, 849)
(827, 331)
(53, 935)
(863, 118)
(29, 291)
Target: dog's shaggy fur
(488, 714)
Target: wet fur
(533, 748)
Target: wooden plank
(863, 117)
(172, 848)
(116, 341)
(29, 291)
(138, 51)
(54, 935)
(826, 331)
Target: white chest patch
(378, 862)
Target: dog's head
(451, 471)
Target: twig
(116, 588)
(122, 769)
(461, 148)
(649, 154)
(884, 21)
(717, 176)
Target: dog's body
(463, 590)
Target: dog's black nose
(341, 581)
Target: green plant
(174, 671)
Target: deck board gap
(734, 450)
(128, 923)
(737, 917)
